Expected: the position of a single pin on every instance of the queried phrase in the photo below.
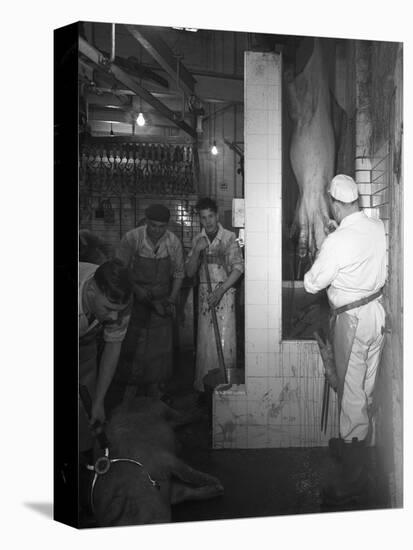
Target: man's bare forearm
(232, 279)
(176, 287)
(107, 368)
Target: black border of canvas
(66, 274)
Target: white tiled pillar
(280, 403)
(262, 218)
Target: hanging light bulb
(141, 120)
(214, 149)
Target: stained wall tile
(256, 267)
(255, 220)
(257, 147)
(256, 317)
(256, 241)
(257, 97)
(256, 171)
(257, 364)
(256, 292)
(256, 122)
(256, 340)
(257, 387)
(256, 195)
(257, 437)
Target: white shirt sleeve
(194, 241)
(325, 268)
(126, 248)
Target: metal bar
(380, 173)
(379, 190)
(125, 79)
(213, 115)
(121, 76)
(234, 147)
(112, 52)
(97, 428)
(323, 408)
(378, 161)
(210, 89)
(221, 360)
(326, 409)
(160, 51)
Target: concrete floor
(262, 482)
(257, 483)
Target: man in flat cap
(351, 265)
(154, 256)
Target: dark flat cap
(158, 213)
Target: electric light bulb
(214, 149)
(140, 120)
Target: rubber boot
(351, 485)
(336, 446)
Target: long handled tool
(97, 427)
(215, 322)
(326, 401)
(330, 377)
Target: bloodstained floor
(262, 482)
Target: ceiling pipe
(151, 40)
(178, 62)
(122, 77)
(112, 53)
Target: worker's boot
(351, 484)
(336, 446)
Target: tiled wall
(372, 178)
(280, 403)
(279, 409)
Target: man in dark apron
(154, 256)
(352, 266)
(104, 306)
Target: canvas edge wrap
(66, 274)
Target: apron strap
(357, 303)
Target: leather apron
(206, 350)
(343, 327)
(343, 331)
(146, 355)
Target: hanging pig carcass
(129, 494)
(312, 150)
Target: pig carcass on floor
(144, 431)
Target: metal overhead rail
(161, 52)
(121, 76)
(233, 145)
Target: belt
(357, 303)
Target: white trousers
(361, 371)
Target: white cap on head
(343, 188)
